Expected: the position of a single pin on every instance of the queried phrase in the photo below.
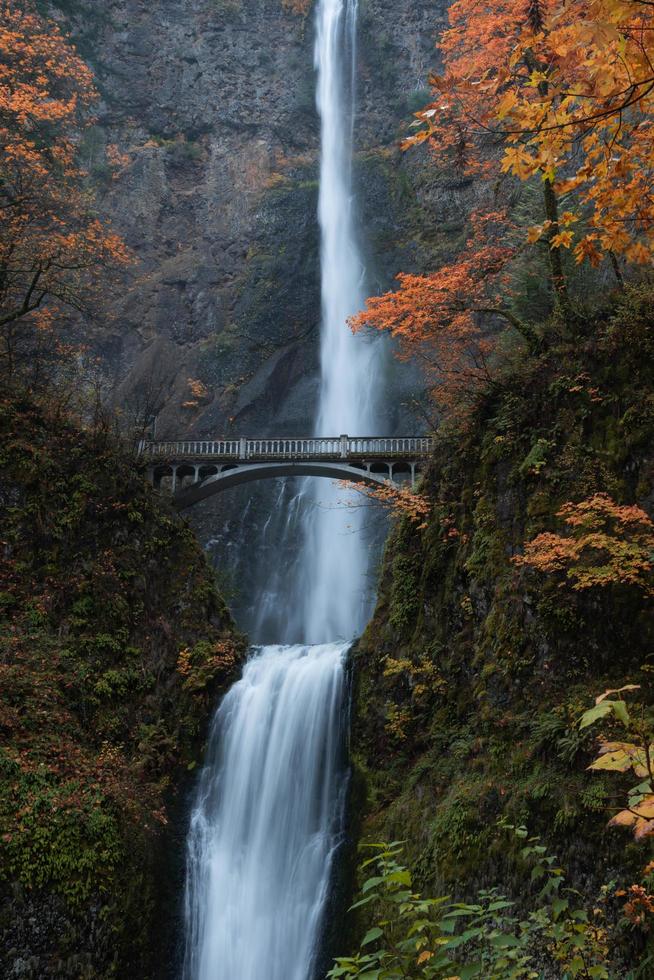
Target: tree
(52, 245)
(559, 92)
(604, 544)
(436, 317)
(565, 88)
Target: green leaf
(505, 941)
(363, 901)
(464, 937)
(620, 710)
(401, 877)
(371, 935)
(559, 905)
(471, 971)
(371, 883)
(594, 714)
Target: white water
(268, 815)
(267, 818)
(335, 561)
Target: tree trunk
(559, 284)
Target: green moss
(404, 601)
(517, 657)
(104, 591)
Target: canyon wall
(210, 105)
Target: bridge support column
(196, 473)
(344, 447)
(413, 474)
(174, 479)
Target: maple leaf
(562, 239)
(535, 233)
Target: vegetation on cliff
(482, 657)
(114, 641)
(525, 592)
(115, 644)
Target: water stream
(268, 814)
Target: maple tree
(435, 317)
(604, 544)
(52, 245)
(567, 89)
(558, 92)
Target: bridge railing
(342, 447)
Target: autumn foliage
(568, 90)
(634, 756)
(398, 500)
(436, 317)
(604, 544)
(556, 92)
(52, 245)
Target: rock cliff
(115, 645)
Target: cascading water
(268, 815)
(335, 557)
(266, 821)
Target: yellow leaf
(643, 828)
(615, 761)
(623, 819)
(645, 808)
(506, 104)
(562, 240)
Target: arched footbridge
(192, 471)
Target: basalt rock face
(473, 673)
(212, 105)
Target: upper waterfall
(335, 560)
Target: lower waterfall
(267, 818)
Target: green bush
(490, 939)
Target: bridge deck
(312, 448)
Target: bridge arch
(197, 469)
(234, 476)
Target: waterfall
(267, 819)
(335, 558)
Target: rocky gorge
(459, 707)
